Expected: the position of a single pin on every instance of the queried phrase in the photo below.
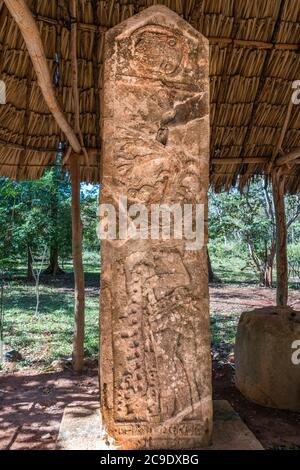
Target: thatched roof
(254, 60)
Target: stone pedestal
(82, 428)
(155, 366)
(267, 354)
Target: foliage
(89, 210)
(37, 213)
(244, 225)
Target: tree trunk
(268, 272)
(78, 341)
(30, 276)
(53, 269)
(281, 241)
(211, 275)
(268, 276)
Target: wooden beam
(291, 157)
(92, 151)
(31, 35)
(233, 173)
(253, 44)
(38, 165)
(278, 183)
(78, 339)
(96, 78)
(260, 88)
(26, 118)
(13, 146)
(74, 65)
(239, 160)
(213, 40)
(282, 134)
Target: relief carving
(155, 358)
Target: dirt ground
(32, 403)
(275, 429)
(227, 298)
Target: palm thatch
(254, 61)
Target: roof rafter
(261, 83)
(291, 157)
(29, 30)
(215, 40)
(284, 128)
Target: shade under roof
(254, 61)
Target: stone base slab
(229, 431)
(82, 429)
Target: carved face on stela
(162, 53)
(162, 108)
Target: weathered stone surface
(155, 340)
(82, 429)
(265, 372)
(230, 432)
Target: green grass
(233, 270)
(42, 339)
(223, 328)
(48, 336)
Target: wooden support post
(281, 240)
(78, 341)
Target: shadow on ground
(32, 405)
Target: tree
(262, 255)
(59, 209)
(36, 216)
(32, 221)
(89, 210)
(8, 243)
(38, 266)
(248, 219)
(212, 277)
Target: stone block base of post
(267, 354)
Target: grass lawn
(42, 339)
(48, 336)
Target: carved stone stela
(155, 369)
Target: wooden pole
(78, 340)
(281, 240)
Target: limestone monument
(155, 363)
(267, 357)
